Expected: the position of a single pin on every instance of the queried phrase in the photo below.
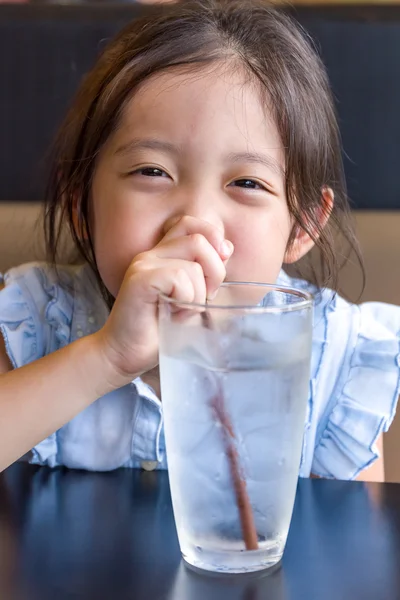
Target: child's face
(200, 145)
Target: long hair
(274, 51)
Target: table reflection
(77, 527)
(102, 536)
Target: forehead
(216, 101)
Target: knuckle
(186, 220)
(197, 240)
(139, 259)
(180, 275)
(141, 263)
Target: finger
(187, 225)
(196, 276)
(179, 279)
(195, 248)
(190, 288)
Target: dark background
(46, 49)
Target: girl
(203, 146)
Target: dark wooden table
(75, 535)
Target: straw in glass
(246, 516)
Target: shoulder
(355, 382)
(36, 304)
(37, 284)
(40, 270)
(364, 390)
(342, 328)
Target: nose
(203, 206)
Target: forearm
(41, 397)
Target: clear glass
(234, 384)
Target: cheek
(121, 232)
(260, 245)
(112, 256)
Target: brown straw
(239, 484)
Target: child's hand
(187, 265)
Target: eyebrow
(146, 144)
(167, 147)
(254, 157)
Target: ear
(303, 242)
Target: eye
(150, 172)
(247, 184)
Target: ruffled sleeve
(357, 382)
(35, 319)
(20, 323)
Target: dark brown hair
(273, 50)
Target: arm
(375, 472)
(39, 398)
(358, 388)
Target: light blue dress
(355, 377)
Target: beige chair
(21, 240)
